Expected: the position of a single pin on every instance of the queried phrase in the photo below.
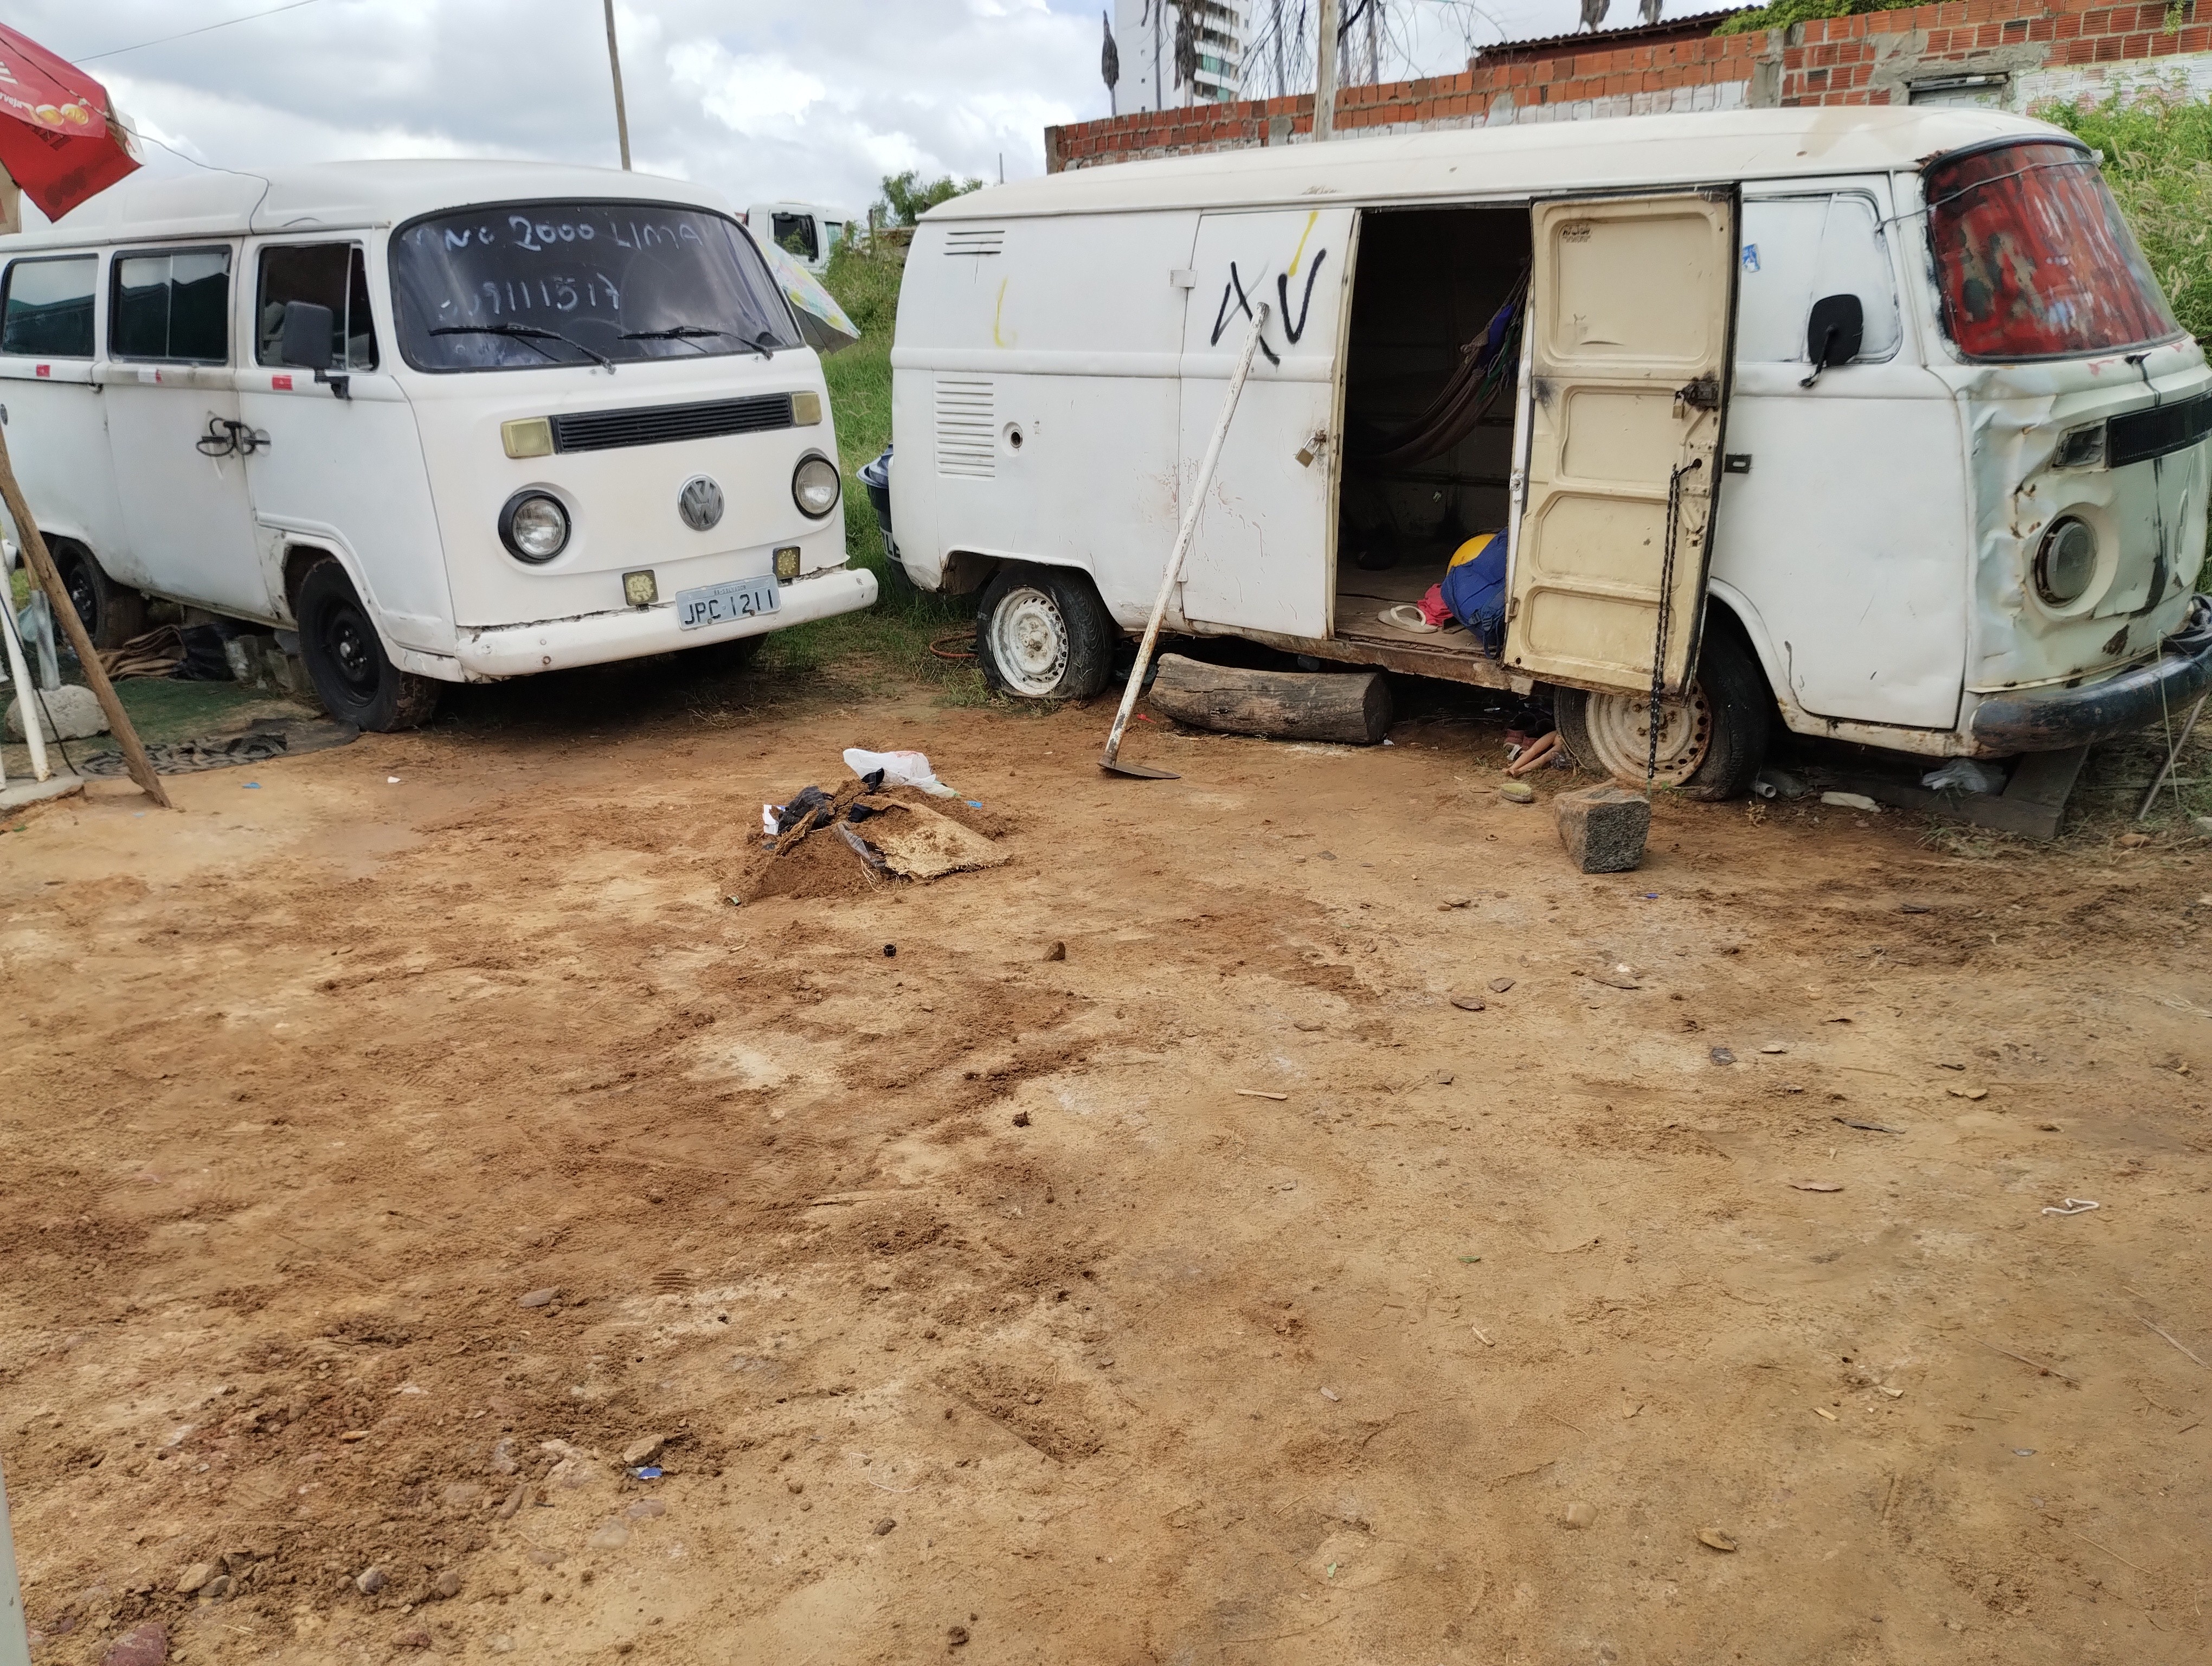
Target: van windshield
(2034, 258)
(539, 285)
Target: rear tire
(345, 657)
(112, 614)
(1042, 634)
(1711, 746)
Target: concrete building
(1144, 31)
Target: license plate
(723, 604)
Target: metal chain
(1666, 618)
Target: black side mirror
(1834, 333)
(306, 338)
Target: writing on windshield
(537, 285)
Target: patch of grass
(893, 636)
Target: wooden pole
(42, 569)
(1325, 79)
(614, 63)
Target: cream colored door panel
(1622, 405)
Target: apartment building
(1144, 31)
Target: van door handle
(226, 437)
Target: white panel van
(448, 421)
(1872, 420)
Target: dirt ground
(1220, 1292)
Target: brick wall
(2039, 49)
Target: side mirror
(1834, 333)
(306, 338)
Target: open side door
(1622, 402)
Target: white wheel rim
(1620, 731)
(1029, 642)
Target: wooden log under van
(1351, 708)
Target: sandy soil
(1217, 1293)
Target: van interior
(1432, 366)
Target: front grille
(2142, 434)
(664, 425)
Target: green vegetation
(906, 199)
(895, 634)
(2158, 156)
(1783, 13)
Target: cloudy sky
(810, 99)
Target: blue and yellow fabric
(1474, 589)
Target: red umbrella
(59, 139)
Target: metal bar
(1325, 77)
(15, 1628)
(2173, 753)
(27, 690)
(1183, 536)
(614, 63)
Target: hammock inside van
(1486, 369)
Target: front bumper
(632, 633)
(2053, 720)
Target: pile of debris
(894, 823)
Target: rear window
(47, 307)
(2034, 259)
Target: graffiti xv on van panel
(1234, 292)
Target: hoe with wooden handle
(1109, 760)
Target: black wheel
(1042, 634)
(112, 614)
(1711, 745)
(357, 681)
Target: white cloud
(809, 98)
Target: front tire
(112, 614)
(1042, 634)
(356, 677)
(1711, 745)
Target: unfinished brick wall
(2042, 49)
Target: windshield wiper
(530, 333)
(688, 332)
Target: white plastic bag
(900, 769)
(1963, 775)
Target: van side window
(794, 234)
(1797, 249)
(174, 307)
(332, 275)
(47, 307)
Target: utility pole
(1325, 80)
(614, 63)
(1374, 47)
(1282, 74)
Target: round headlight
(2066, 562)
(533, 526)
(815, 486)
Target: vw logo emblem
(700, 503)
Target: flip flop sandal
(1407, 617)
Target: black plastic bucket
(876, 477)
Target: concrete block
(1603, 828)
(70, 712)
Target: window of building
(46, 305)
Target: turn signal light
(531, 436)
(805, 410)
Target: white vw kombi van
(448, 421)
(1872, 419)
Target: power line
(205, 28)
